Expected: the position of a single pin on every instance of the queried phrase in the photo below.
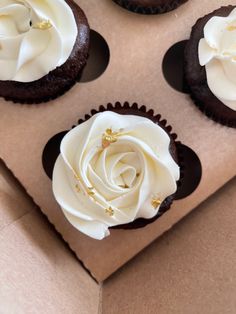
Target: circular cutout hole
(98, 60)
(173, 66)
(51, 152)
(192, 171)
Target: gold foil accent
(124, 186)
(109, 137)
(90, 191)
(156, 202)
(43, 25)
(109, 211)
(231, 28)
(77, 188)
(76, 176)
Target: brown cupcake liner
(58, 81)
(135, 109)
(149, 10)
(210, 114)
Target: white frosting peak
(35, 38)
(113, 169)
(217, 52)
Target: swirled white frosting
(35, 38)
(217, 52)
(113, 169)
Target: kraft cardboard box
(38, 273)
(190, 269)
(137, 46)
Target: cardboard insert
(137, 46)
(187, 263)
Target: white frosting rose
(217, 52)
(35, 38)
(113, 169)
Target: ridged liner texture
(144, 9)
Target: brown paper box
(137, 46)
(190, 269)
(38, 274)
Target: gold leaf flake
(124, 186)
(109, 137)
(231, 28)
(77, 188)
(76, 176)
(90, 191)
(109, 211)
(156, 202)
(43, 25)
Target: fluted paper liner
(158, 9)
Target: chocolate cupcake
(43, 49)
(150, 6)
(210, 65)
(117, 168)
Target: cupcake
(116, 170)
(150, 6)
(210, 65)
(43, 48)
